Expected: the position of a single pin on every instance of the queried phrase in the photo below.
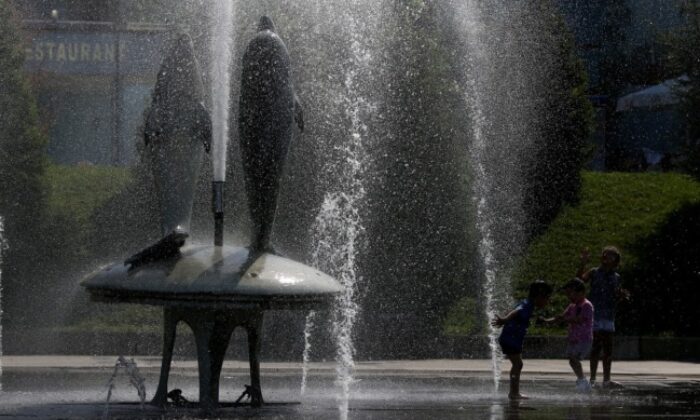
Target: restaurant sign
(135, 53)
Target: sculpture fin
(167, 247)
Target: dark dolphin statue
(177, 133)
(268, 109)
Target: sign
(84, 53)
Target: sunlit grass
(75, 191)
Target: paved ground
(624, 370)
(74, 387)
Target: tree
(423, 254)
(22, 154)
(666, 276)
(563, 120)
(684, 60)
(614, 69)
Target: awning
(657, 96)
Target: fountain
(215, 288)
(402, 196)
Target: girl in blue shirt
(515, 326)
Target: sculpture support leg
(203, 329)
(212, 331)
(254, 329)
(219, 344)
(169, 331)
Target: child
(515, 326)
(579, 316)
(605, 292)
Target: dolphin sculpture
(177, 133)
(268, 109)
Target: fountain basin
(207, 274)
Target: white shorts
(604, 325)
(579, 350)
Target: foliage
(45, 207)
(564, 119)
(117, 318)
(22, 152)
(74, 194)
(614, 70)
(130, 218)
(76, 191)
(684, 60)
(464, 318)
(44, 279)
(635, 212)
(667, 277)
(421, 189)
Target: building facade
(92, 75)
(621, 44)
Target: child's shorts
(508, 348)
(578, 350)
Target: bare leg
(595, 354)
(607, 367)
(169, 331)
(575, 364)
(607, 345)
(517, 366)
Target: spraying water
(345, 210)
(338, 229)
(486, 247)
(135, 379)
(480, 185)
(306, 357)
(495, 149)
(222, 16)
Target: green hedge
(76, 191)
(74, 194)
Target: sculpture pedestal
(212, 329)
(214, 290)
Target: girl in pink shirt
(579, 316)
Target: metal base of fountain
(212, 331)
(214, 290)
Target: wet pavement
(55, 387)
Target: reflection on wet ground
(79, 393)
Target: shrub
(22, 158)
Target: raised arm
(622, 294)
(500, 321)
(555, 319)
(582, 273)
